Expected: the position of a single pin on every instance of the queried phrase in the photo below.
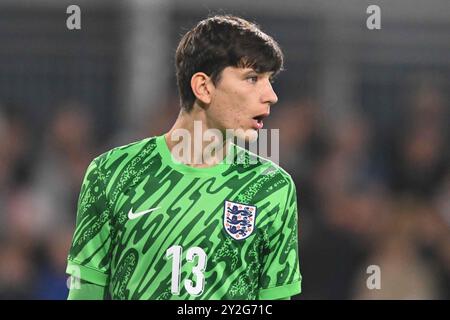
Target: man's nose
(269, 96)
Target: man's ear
(202, 87)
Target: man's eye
(252, 79)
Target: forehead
(243, 71)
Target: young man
(153, 224)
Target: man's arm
(281, 277)
(88, 258)
(87, 291)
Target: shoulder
(117, 166)
(267, 170)
(131, 152)
(116, 161)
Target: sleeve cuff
(86, 273)
(285, 291)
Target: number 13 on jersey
(176, 252)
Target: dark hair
(221, 41)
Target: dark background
(363, 118)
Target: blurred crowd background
(363, 118)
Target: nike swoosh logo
(133, 215)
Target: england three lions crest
(239, 219)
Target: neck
(194, 141)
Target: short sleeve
(89, 256)
(281, 276)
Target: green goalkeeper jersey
(149, 227)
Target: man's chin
(248, 135)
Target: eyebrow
(252, 71)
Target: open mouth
(258, 120)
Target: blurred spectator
(405, 273)
(52, 281)
(66, 152)
(16, 271)
(421, 154)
